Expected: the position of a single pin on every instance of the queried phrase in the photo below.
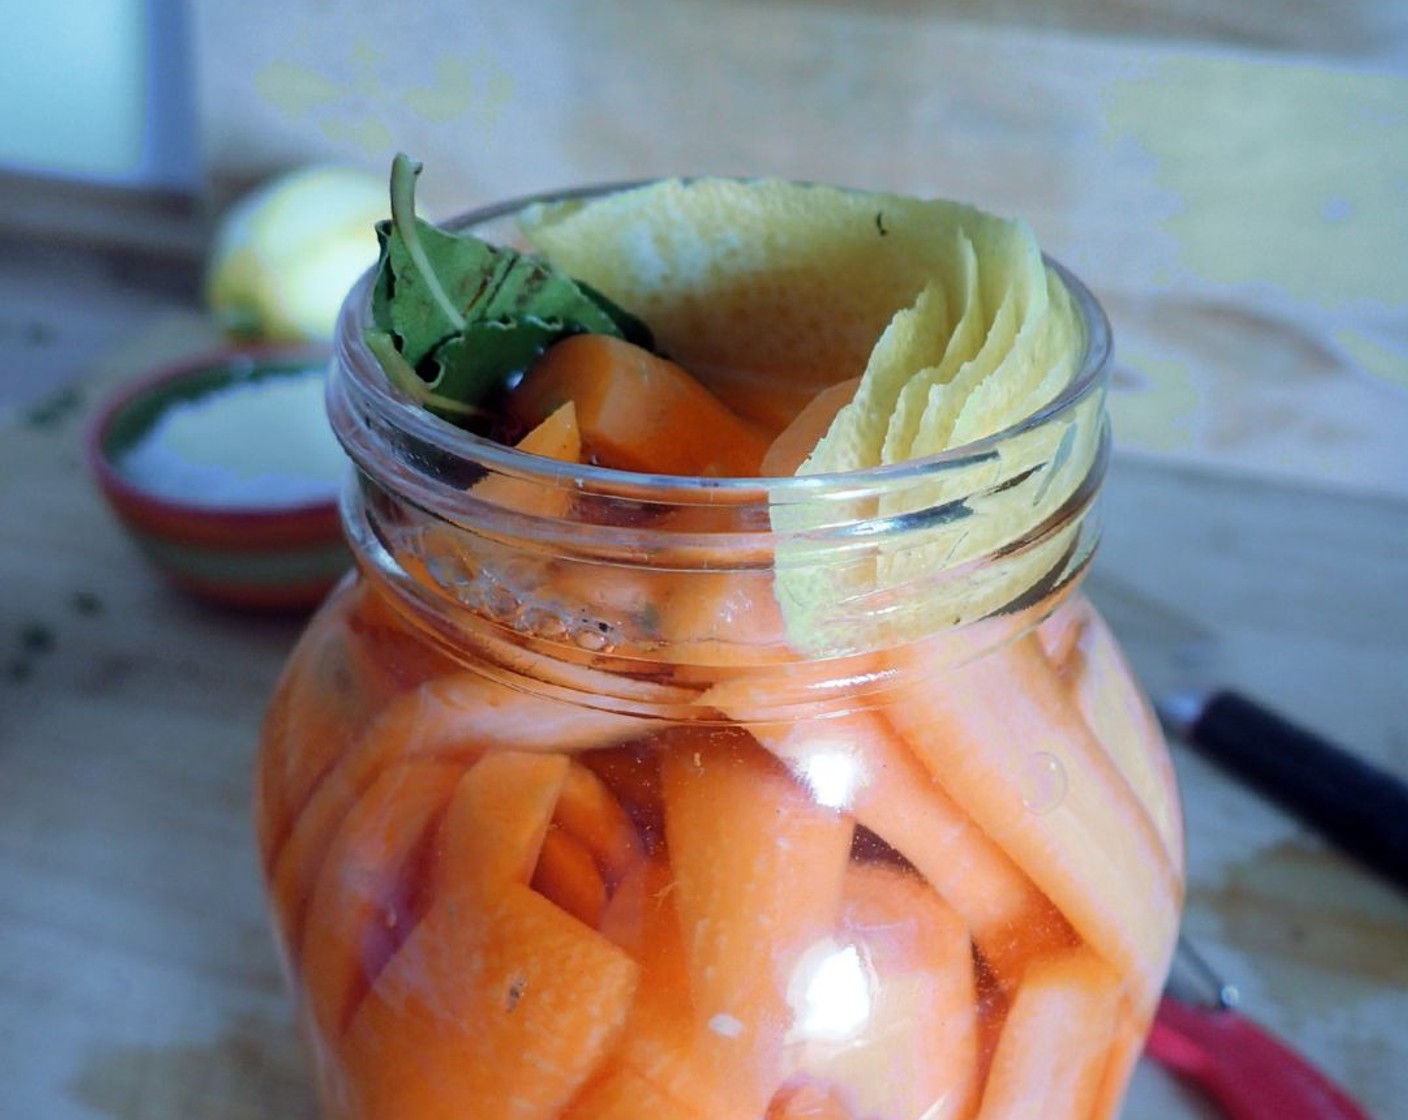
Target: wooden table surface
(1257, 536)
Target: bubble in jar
(543, 623)
(1043, 782)
(594, 637)
(450, 572)
(499, 602)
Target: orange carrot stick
(722, 619)
(1131, 1031)
(790, 448)
(567, 875)
(787, 687)
(671, 1064)
(892, 1015)
(625, 1094)
(432, 723)
(498, 1006)
(296, 866)
(557, 436)
(466, 715)
(770, 398)
(1100, 681)
(502, 810)
(641, 919)
(637, 411)
(1001, 737)
(499, 1003)
(452, 718)
(657, 1072)
(590, 813)
(759, 869)
(632, 774)
(856, 762)
(331, 688)
(654, 1073)
(1055, 1043)
(360, 906)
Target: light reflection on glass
(833, 775)
(836, 993)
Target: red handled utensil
(1199, 1035)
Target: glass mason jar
(560, 817)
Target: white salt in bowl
(225, 473)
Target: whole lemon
(285, 255)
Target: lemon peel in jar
(957, 329)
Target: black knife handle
(1358, 806)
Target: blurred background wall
(1259, 148)
(1166, 134)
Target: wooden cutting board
(137, 976)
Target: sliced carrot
(1101, 683)
(567, 874)
(637, 411)
(300, 740)
(785, 687)
(624, 1094)
(892, 1010)
(325, 795)
(495, 1006)
(499, 1003)
(751, 842)
(1131, 1032)
(605, 590)
(295, 868)
(1002, 738)
(435, 722)
(855, 761)
(640, 918)
(759, 868)
(691, 618)
(555, 437)
(589, 812)
(323, 700)
(632, 774)
(360, 906)
(452, 718)
(655, 1073)
(770, 398)
(1056, 1041)
(722, 619)
(502, 810)
(790, 448)
(361, 653)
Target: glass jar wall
(599, 795)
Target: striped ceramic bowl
(275, 553)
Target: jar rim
(372, 391)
